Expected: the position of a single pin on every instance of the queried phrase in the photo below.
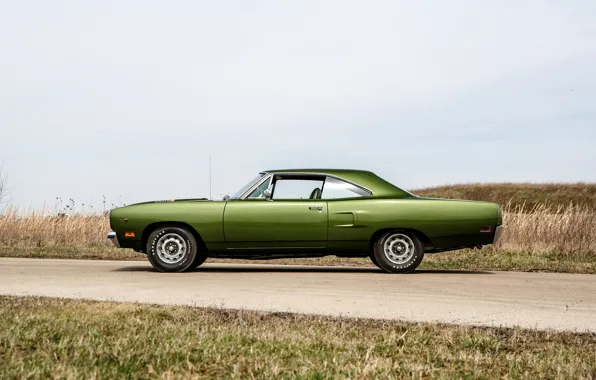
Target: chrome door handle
(320, 208)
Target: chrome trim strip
(113, 237)
(253, 187)
(269, 175)
(498, 233)
(332, 176)
(245, 248)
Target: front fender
(205, 217)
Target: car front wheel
(172, 249)
(373, 259)
(398, 252)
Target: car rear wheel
(172, 249)
(398, 252)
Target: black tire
(395, 261)
(199, 259)
(180, 252)
(373, 259)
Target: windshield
(246, 187)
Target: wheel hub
(171, 248)
(399, 248)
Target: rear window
(336, 188)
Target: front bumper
(498, 233)
(113, 237)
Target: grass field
(50, 338)
(528, 195)
(556, 236)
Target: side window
(294, 188)
(259, 192)
(336, 188)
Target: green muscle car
(305, 213)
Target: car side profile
(305, 213)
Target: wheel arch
(153, 226)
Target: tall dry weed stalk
(565, 230)
(36, 229)
(569, 231)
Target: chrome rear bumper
(114, 238)
(498, 233)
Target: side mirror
(226, 197)
(267, 194)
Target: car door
(350, 215)
(283, 211)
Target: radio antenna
(210, 178)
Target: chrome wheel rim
(171, 248)
(399, 248)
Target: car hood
(171, 200)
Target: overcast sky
(128, 99)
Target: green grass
(485, 259)
(51, 338)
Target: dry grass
(51, 338)
(37, 229)
(568, 231)
(541, 238)
(552, 195)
